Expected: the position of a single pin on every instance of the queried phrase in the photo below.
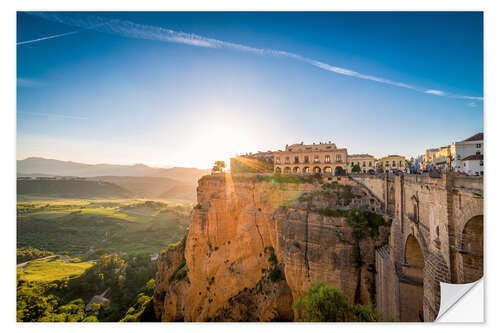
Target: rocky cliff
(255, 243)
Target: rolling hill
(106, 180)
(71, 188)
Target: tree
(323, 303)
(219, 166)
(356, 168)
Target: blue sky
(186, 89)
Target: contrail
(48, 37)
(140, 31)
(53, 115)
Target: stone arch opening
(317, 169)
(472, 249)
(339, 171)
(306, 170)
(411, 288)
(287, 170)
(277, 170)
(296, 170)
(327, 169)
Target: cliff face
(253, 246)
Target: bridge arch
(306, 170)
(412, 284)
(472, 249)
(327, 169)
(277, 170)
(296, 170)
(317, 169)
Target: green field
(89, 228)
(51, 269)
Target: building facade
(443, 158)
(469, 155)
(323, 158)
(428, 158)
(366, 162)
(392, 163)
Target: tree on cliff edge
(323, 303)
(219, 166)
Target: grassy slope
(51, 269)
(76, 227)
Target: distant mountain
(130, 180)
(38, 165)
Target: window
(327, 159)
(306, 159)
(316, 159)
(393, 163)
(296, 159)
(278, 160)
(287, 160)
(364, 164)
(352, 163)
(369, 163)
(386, 163)
(478, 145)
(481, 163)
(339, 157)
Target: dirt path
(21, 265)
(66, 260)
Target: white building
(469, 155)
(473, 165)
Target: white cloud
(472, 104)
(134, 30)
(435, 92)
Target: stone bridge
(436, 236)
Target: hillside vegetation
(92, 228)
(51, 269)
(71, 188)
(63, 295)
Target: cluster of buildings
(465, 157)
(326, 158)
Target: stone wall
(445, 217)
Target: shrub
(329, 212)
(276, 274)
(179, 273)
(323, 303)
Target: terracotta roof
(477, 157)
(360, 155)
(475, 137)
